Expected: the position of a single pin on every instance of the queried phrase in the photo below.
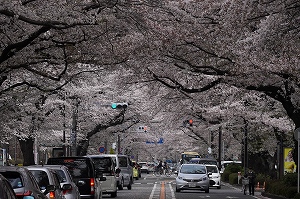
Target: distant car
(106, 166)
(23, 182)
(192, 176)
(215, 177)
(47, 177)
(144, 167)
(70, 190)
(84, 174)
(6, 190)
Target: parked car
(70, 189)
(23, 182)
(106, 165)
(214, 177)
(6, 190)
(124, 168)
(192, 176)
(84, 175)
(47, 177)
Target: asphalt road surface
(152, 187)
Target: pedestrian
(251, 176)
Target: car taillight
(52, 194)
(67, 190)
(92, 183)
(27, 193)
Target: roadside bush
(281, 188)
(261, 178)
(233, 178)
(297, 196)
(290, 179)
(230, 169)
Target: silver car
(47, 177)
(192, 176)
(70, 190)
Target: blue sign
(102, 149)
(160, 141)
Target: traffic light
(143, 128)
(188, 122)
(119, 105)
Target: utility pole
(73, 137)
(220, 146)
(246, 147)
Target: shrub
(231, 168)
(290, 179)
(233, 178)
(297, 196)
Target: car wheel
(129, 186)
(177, 190)
(207, 190)
(121, 184)
(114, 194)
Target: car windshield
(212, 169)
(103, 164)
(193, 169)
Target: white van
(106, 166)
(124, 164)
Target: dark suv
(84, 175)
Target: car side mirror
(118, 171)
(209, 173)
(67, 187)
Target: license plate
(192, 184)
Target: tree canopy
(222, 63)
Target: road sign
(101, 149)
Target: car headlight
(180, 177)
(204, 178)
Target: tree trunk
(27, 150)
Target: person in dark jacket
(251, 176)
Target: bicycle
(158, 172)
(245, 182)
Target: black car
(23, 182)
(6, 190)
(84, 175)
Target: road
(152, 187)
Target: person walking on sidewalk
(251, 176)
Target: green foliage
(280, 188)
(290, 179)
(233, 178)
(261, 178)
(231, 168)
(297, 196)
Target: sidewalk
(258, 193)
